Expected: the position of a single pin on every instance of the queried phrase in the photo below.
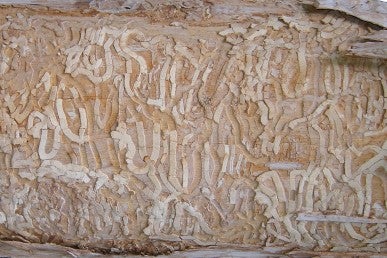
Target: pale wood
(178, 124)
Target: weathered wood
(55, 4)
(370, 11)
(373, 45)
(177, 124)
(339, 218)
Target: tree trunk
(154, 126)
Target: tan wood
(186, 124)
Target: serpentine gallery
(193, 128)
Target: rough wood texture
(224, 124)
(18, 249)
(373, 45)
(372, 11)
(53, 4)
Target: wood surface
(185, 124)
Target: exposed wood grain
(178, 124)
